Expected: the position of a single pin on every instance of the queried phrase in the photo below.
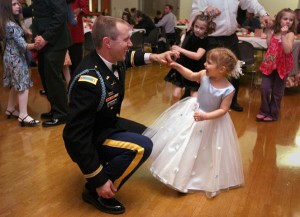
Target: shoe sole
(87, 199)
(53, 125)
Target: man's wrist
(266, 14)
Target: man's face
(167, 10)
(120, 46)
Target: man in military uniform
(52, 37)
(107, 148)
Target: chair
(247, 52)
(137, 39)
(152, 39)
(88, 44)
(178, 32)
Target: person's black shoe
(53, 122)
(43, 92)
(236, 107)
(111, 206)
(47, 115)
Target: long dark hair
(211, 26)
(6, 15)
(277, 27)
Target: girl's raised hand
(284, 30)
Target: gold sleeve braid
(132, 58)
(97, 171)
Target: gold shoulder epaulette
(88, 78)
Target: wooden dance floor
(39, 179)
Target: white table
(183, 27)
(294, 77)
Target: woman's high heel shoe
(11, 115)
(31, 123)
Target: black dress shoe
(43, 92)
(111, 206)
(47, 115)
(236, 107)
(53, 122)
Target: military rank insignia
(88, 78)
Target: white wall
(273, 6)
(118, 6)
(185, 9)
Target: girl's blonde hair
(223, 57)
(277, 27)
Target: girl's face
(16, 7)
(199, 28)
(211, 68)
(287, 19)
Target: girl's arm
(287, 40)
(187, 73)
(224, 107)
(190, 54)
(30, 46)
(269, 34)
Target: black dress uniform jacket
(88, 125)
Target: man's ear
(106, 42)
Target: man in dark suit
(52, 36)
(142, 21)
(107, 148)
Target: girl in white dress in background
(195, 143)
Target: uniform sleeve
(80, 127)
(135, 58)
(59, 18)
(27, 11)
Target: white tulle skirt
(194, 156)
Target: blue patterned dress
(16, 72)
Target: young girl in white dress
(195, 143)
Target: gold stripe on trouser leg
(126, 145)
(132, 58)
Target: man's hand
(212, 11)
(39, 42)
(267, 21)
(165, 58)
(108, 190)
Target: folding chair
(247, 52)
(137, 39)
(178, 32)
(152, 39)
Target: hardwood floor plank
(38, 178)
